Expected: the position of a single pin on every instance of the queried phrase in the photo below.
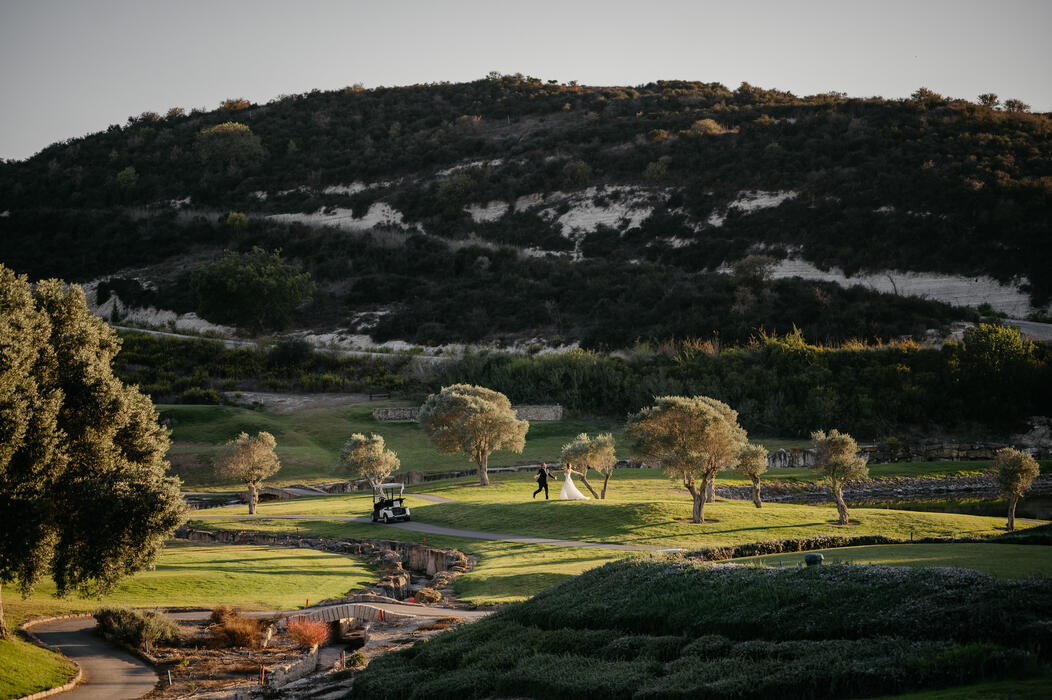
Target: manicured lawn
(203, 575)
(1000, 560)
(26, 668)
(309, 442)
(641, 508)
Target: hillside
(601, 214)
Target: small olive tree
(752, 462)
(1015, 472)
(475, 421)
(367, 458)
(692, 439)
(586, 453)
(838, 460)
(250, 460)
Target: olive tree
(838, 461)
(366, 457)
(752, 462)
(475, 421)
(1015, 472)
(84, 494)
(230, 145)
(586, 453)
(691, 438)
(250, 460)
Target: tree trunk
(1011, 511)
(698, 514)
(606, 480)
(710, 490)
(841, 507)
(4, 634)
(584, 480)
(756, 492)
(483, 464)
(253, 498)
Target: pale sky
(71, 67)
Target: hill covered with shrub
(654, 629)
(510, 205)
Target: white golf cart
(387, 507)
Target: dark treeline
(927, 183)
(785, 386)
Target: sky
(72, 67)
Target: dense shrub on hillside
(940, 184)
(639, 629)
(786, 386)
(193, 371)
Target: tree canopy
(752, 462)
(257, 290)
(838, 460)
(250, 460)
(691, 438)
(366, 457)
(1015, 471)
(584, 453)
(84, 495)
(475, 421)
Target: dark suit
(542, 483)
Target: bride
(569, 492)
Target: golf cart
(388, 508)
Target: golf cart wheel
(407, 518)
(386, 519)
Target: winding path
(451, 532)
(110, 673)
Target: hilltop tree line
(928, 182)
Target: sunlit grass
(26, 668)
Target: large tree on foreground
(838, 460)
(83, 493)
(472, 420)
(250, 460)
(691, 438)
(1015, 473)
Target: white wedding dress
(569, 491)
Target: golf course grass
(26, 668)
(309, 440)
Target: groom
(542, 481)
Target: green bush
(134, 627)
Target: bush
(202, 396)
(221, 613)
(357, 660)
(232, 629)
(308, 633)
(134, 627)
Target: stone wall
(531, 412)
(885, 453)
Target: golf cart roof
(392, 486)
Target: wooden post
(262, 674)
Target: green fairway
(26, 668)
(309, 441)
(204, 575)
(1000, 560)
(643, 509)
